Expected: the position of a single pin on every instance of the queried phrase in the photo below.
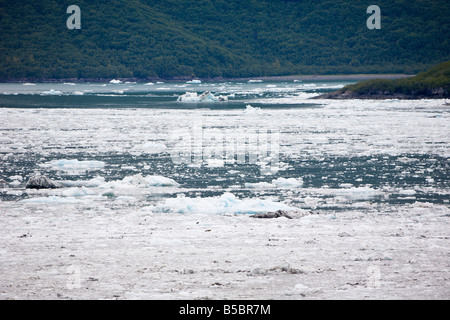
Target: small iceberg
(114, 81)
(225, 204)
(51, 93)
(195, 81)
(140, 181)
(28, 84)
(288, 183)
(204, 97)
(254, 80)
(250, 109)
(74, 164)
(149, 148)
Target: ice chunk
(51, 93)
(360, 193)
(254, 80)
(407, 192)
(250, 109)
(215, 163)
(52, 200)
(258, 185)
(160, 181)
(204, 97)
(114, 81)
(225, 204)
(141, 182)
(288, 183)
(73, 164)
(77, 192)
(195, 81)
(150, 148)
(94, 182)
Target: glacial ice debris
(149, 148)
(293, 214)
(206, 96)
(51, 92)
(225, 204)
(74, 164)
(250, 109)
(194, 81)
(41, 182)
(141, 182)
(114, 81)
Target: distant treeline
(219, 38)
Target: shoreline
(348, 77)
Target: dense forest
(219, 38)
(433, 83)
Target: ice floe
(251, 110)
(115, 81)
(195, 81)
(204, 97)
(141, 182)
(51, 92)
(149, 148)
(73, 164)
(288, 182)
(225, 204)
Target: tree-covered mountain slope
(219, 38)
(433, 83)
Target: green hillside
(434, 83)
(219, 38)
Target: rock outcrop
(41, 182)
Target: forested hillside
(219, 38)
(433, 83)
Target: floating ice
(215, 163)
(259, 185)
(28, 84)
(204, 97)
(77, 192)
(195, 81)
(407, 192)
(114, 81)
(94, 182)
(141, 182)
(225, 204)
(250, 109)
(52, 200)
(150, 148)
(160, 181)
(74, 164)
(51, 93)
(149, 84)
(288, 183)
(360, 193)
(254, 80)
